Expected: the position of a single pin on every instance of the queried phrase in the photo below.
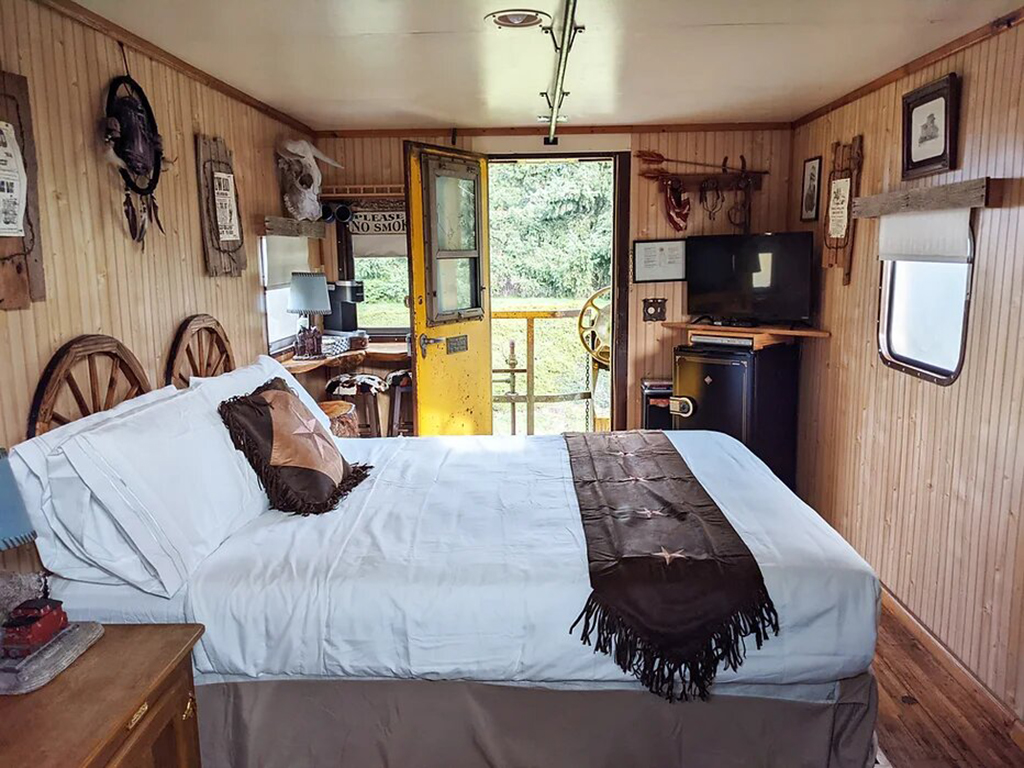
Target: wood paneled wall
(927, 482)
(650, 344)
(372, 160)
(378, 160)
(98, 281)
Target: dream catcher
(134, 146)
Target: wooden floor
(926, 717)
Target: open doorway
(552, 239)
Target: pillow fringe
(269, 476)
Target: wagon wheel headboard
(113, 375)
(201, 348)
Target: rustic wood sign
(974, 193)
(21, 256)
(219, 208)
(843, 187)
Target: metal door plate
(457, 344)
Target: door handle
(682, 406)
(425, 341)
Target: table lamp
(30, 653)
(307, 297)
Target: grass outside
(562, 363)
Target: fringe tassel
(282, 495)
(662, 672)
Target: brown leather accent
(299, 440)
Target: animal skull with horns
(301, 177)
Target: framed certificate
(658, 261)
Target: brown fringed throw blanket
(675, 589)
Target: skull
(301, 178)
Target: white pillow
(154, 493)
(242, 381)
(58, 551)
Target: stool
(361, 390)
(400, 408)
(342, 414)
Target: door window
(454, 279)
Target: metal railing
(512, 368)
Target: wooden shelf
(279, 226)
(762, 335)
(347, 361)
(733, 330)
(975, 193)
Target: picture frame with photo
(931, 123)
(810, 190)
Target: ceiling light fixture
(518, 18)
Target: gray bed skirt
(423, 724)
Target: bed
(426, 622)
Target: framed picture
(810, 192)
(931, 119)
(657, 261)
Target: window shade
(379, 245)
(926, 236)
(284, 256)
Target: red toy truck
(32, 625)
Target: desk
(346, 361)
(378, 354)
(761, 336)
(388, 353)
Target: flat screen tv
(750, 278)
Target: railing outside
(512, 369)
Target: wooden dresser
(128, 701)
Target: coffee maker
(344, 295)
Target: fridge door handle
(683, 406)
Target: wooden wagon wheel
(200, 348)
(114, 375)
(594, 326)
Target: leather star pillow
(294, 457)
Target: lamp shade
(308, 295)
(15, 527)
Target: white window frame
(273, 345)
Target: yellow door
(446, 194)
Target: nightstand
(126, 701)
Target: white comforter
(464, 558)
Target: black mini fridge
(749, 395)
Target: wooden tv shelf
(762, 335)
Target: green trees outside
(551, 229)
(551, 248)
